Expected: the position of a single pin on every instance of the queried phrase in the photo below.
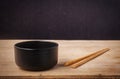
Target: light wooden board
(107, 64)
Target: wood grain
(107, 65)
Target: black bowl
(36, 55)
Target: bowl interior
(36, 44)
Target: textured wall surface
(60, 19)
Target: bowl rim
(23, 48)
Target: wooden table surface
(104, 66)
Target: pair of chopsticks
(80, 61)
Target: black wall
(60, 19)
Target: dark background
(60, 19)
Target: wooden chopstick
(77, 62)
(78, 59)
